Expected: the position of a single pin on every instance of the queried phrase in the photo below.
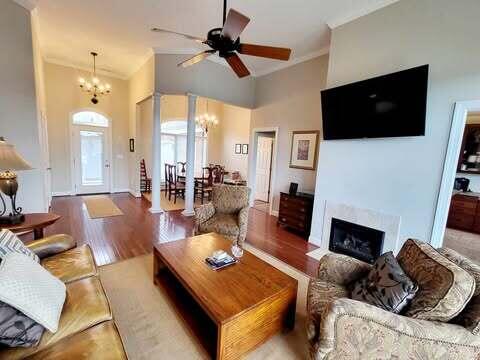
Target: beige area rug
(151, 328)
(169, 205)
(100, 206)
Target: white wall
(400, 176)
(290, 100)
(18, 104)
(63, 98)
(235, 130)
(206, 79)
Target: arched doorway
(91, 152)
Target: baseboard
(121, 191)
(274, 213)
(62, 193)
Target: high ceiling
(120, 29)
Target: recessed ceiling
(119, 30)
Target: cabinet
(296, 211)
(464, 213)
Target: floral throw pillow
(17, 329)
(386, 285)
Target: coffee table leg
(157, 264)
(38, 233)
(290, 318)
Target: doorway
(91, 153)
(263, 171)
(262, 164)
(457, 218)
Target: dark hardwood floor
(121, 237)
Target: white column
(190, 181)
(156, 159)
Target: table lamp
(10, 161)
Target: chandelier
(93, 86)
(206, 120)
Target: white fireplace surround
(390, 224)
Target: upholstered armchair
(227, 214)
(341, 328)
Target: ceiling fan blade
(237, 65)
(189, 37)
(197, 58)
(265, 51)
(234, 25)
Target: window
(90, 118)
(174, 146)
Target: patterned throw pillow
(17, 329)
(470, 316)
(386, 286)
(444, 287)
(10, 243)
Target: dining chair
(174, 187)
(203, 184)
(145, 181)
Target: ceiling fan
(226, 41)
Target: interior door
(264, 162)
(91, 159)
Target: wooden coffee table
(247, 303)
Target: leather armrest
(51, 245)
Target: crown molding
(294, 61)
(27, 4)
(53, 60)
(341, 20)
(150, 52)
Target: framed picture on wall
(304, 149)
(238, 148)
(132, 145)
(245, 149)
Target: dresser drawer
(292, 214)
(461, 210)
(294, 223)
(292, 207)
(463, 222)
(292, 201)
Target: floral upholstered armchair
(342, 328)
(227, 214)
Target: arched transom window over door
(90, 118)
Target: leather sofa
(86, 329)
(227, 214)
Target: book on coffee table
(220, 264)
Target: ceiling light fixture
(206, 120)
(94, 86)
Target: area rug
(151, 328)
(100, 206)
(169, 205)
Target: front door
(264, 162)
(91, 159)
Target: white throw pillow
(10, 243)
(29, 288)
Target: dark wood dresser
(464, 213)
(296, 211)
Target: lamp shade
(10, 159)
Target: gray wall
(206, 79)
(401, 176)
(18, 109)
(290, 99)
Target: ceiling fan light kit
(226, 41)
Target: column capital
(157, 95)
(190, 95)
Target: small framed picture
(245, 149)
(132, 145)
(304, 150)
(238, 148)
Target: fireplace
(355, 240)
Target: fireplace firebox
(360, 242)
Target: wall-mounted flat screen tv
(386, 106)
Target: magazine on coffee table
(220, 264)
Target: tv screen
(387, 106)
